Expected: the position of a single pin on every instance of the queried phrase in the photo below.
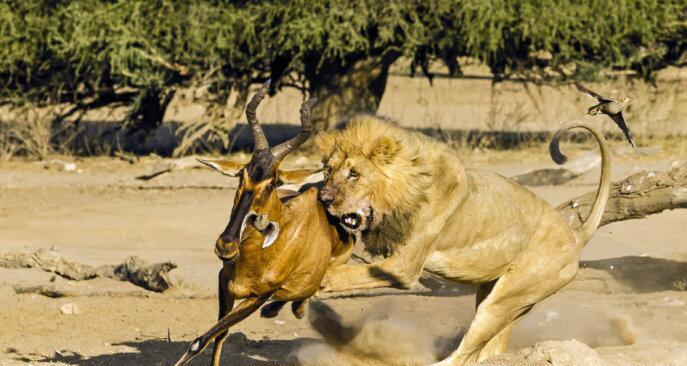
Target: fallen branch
(638, 196)
(153, 277)
(169, 166)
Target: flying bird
(610, 107)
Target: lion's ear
(325, 142)
(384, 150)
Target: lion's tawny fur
(410, 198)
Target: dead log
(635, 197)
(153, 277)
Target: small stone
(551, 315)
(673, 303)
(70, 309)
(279, 322)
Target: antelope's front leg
(242, 311)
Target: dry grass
(29, 131)
(467, 113)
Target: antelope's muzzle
(226, 250)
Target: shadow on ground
(237, 351)
(644, 274)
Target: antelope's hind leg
(226, 303)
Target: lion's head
(375, 179)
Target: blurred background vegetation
(83, 55)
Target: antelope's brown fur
(289, 268)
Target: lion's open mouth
(351, 221)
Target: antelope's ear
(226, 167)
(297, 176)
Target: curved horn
(258, 134)
(283, 149)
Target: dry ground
(100, 214)
(629, 302)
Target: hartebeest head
(257, 208)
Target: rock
(70, 308)
(550, 353)
(565, 353)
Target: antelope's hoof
(298, 309)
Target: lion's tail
(586, 230)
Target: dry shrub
(34, 133)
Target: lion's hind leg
(527, 282)
(499, 343)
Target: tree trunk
(638, 196)
(343, 93)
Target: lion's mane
(405, 165)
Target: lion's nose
(326, 196)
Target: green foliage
(642, 35)
(96, 52)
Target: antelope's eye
(353, 174)
(271, 186)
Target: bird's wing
(592, 94)
(620, 121)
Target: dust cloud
(378, 338)
(375, 339)
(596, 326)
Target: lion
(408, 198)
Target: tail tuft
(555, 148)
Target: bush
(92, 53)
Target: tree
(138, 53)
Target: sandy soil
(628, 302)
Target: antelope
(273, 247)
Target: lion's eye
(353, 174)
